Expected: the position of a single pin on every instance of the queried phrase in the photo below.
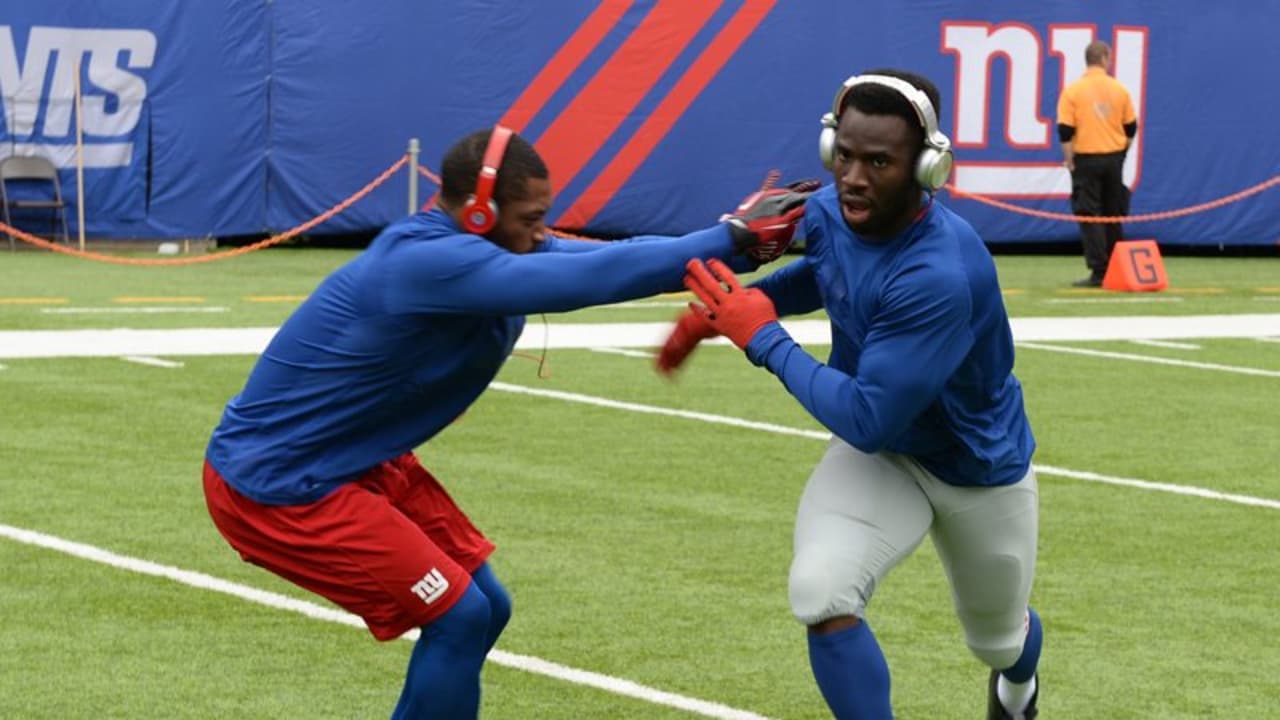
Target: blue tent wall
(254, 116)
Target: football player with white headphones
(929, 433)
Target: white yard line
(152, 361)
(1167, 344)
(818, 435)
(623, 351)
(251, 341)
(311, 610)
(1152, 359)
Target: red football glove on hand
(736, 312)
(690, 330)
(764, 223)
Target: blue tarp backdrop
(251, 116)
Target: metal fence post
(413, 175)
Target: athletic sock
(1015, 697)
(443, 679)
(1017, 683)
(852, 673)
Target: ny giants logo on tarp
(38, 93)
(977, 46)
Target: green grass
(646, 547)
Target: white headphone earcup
(827, 141)
(827, 147)
(933, 168)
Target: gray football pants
(861, 514)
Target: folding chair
(31, 171)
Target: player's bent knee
(815, 591)
(998, 650)
(468, 618)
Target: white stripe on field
(1152, 359)
(1162, 487)
(623, 351)
(317, 612)
(1167, 344)
(152, 361)
(653, 410)
(1268, 339)
(783, 430)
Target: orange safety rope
(273, 240)
(1148, 217)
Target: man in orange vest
(1096, 124)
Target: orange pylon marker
(1135, 266)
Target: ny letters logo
(40, 122)
(977, 47)
(431, 586)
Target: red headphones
(480, 212)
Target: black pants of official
(1097, 189)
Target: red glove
(690, 330)
(764, 223)
(736, 312)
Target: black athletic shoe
(1091, 281)
(996, 711)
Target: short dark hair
(872, 99)
(1095, 52)
(461, 167)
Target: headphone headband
(916, 97)
(933, 164)
(480, 212)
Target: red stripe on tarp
(664, 117)
(586, 124)
(564, 62)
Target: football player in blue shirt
(929, 434)
(311, 472)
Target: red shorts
(391, 547)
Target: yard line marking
(251, 341)
(131, 310)
(816, 435)
(1167, 344)
(311, 610)
(654, 410)
(623, 351)
(1189, 490)
(152, 361)
(1152, 359)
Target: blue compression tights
(852, 673)
(443, 679)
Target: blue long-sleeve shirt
(922, 353)
(394, 345)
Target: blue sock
(443, 680)
(1023, 670)
(499, 602)
(852, 673)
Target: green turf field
(644, 547)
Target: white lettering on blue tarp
(38, 93)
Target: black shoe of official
(996, 711)
(1091, 281)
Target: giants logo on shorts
(431, 586)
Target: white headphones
(933, 167)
